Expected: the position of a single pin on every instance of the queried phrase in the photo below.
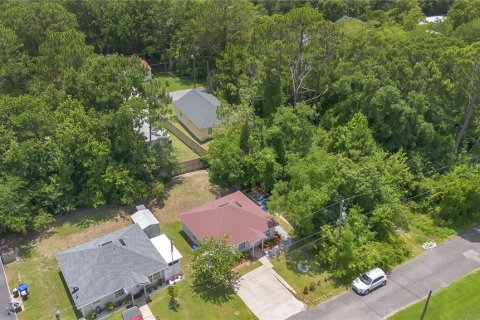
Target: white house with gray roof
(197, 111)
(117, 266)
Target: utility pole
(193, 58)
(426, 305)
(341, 218)
(210, 89)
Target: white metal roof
(164, 247)
(144, 218)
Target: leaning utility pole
(426, 305)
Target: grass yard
(287, 268)
(184, 153)
(38, 267)
(459, 301)
(180, 127)
(174, 83)
(184, 193)
(247, 267)
(203, 306)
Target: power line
(296, 250)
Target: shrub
(312, 287)
(92, 315)
(305, 290)
(109, 306)
(158, 189)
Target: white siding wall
(172, 271)
(189, 234)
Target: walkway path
(408, 283)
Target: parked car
(369, 281)
(132, 313)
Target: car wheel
(366, 292)
(384, 282)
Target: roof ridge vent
(104, 244)
(122, 242)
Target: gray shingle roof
(105, 265)
(199, 107)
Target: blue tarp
(22, 287)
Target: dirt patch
(185, 192)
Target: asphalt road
(407, 284)
(4, 295)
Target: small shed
(147, 221)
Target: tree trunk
(468, 116)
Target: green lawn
(287, 268)
(184, 153)
(209, 305)
(175, 83)
(203, 306)
(46, 288)
(173, 230)
(247, 267)
(458, 301)
(38, 267)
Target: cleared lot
(266, 296)
(408, 283)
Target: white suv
(369, 281)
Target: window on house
(242, 246)
(154, 277)
(119, 293)
(96, 302)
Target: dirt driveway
(266, 296)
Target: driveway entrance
(266, 296)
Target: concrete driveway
(408, 283)
(266, 296)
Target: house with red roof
(235, 215)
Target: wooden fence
(192, 144)
(189, 166)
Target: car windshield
(365, 279)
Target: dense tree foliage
(322, 100)
(358, 109)
(68, 126)
(213, 262)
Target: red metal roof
(234, 215)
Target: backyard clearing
(266, 296)
(185, 192)
(38, 267)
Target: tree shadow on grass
(212, 293)
(87, 217)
